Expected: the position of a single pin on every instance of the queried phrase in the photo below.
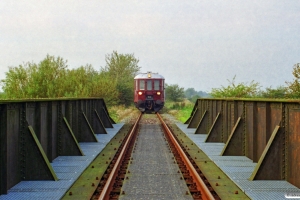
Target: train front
(149, 92)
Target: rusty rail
(205, 193)
(109, 183)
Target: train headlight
(158, 93)
(140, 93)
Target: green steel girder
(40, 169)
(215, 132)
(271, 156)
(68, 144)
(88, 134)
(201, 128)
(100, 126)
(233, 145)
(195, 119)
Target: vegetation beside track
(122, 113)
(180, 110)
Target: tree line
(51, 78)
(253, 89)
(240, 90)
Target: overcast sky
(198, 44)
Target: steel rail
(109, 183)
(205, 193)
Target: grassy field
(180, 110)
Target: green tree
(174, 92)
(190, 92)
(31, 80)
(240, 90)
(105, 88)
(194, 98)
(279, 92)
(121, 69)
(293, 88)
(80, 81)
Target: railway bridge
(256, 142)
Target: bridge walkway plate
(67, 169)
(239, 169)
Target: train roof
(148, 75)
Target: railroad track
(125, 177)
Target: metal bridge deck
(67, 169)
(239, 169)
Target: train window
(149, 85)
(156, 84)
(142, 84)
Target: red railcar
(149, 92)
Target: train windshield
(156, 84)
(149, 85)
(142, 84)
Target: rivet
(219, 177)
(70, 193)
(236, 192)
(93, 184)
(123, 192)
(97, 178)
(187, 193)
(217, 184)
(92, 166)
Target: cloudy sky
(196, 43)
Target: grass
(123, 114)
(180, 110)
